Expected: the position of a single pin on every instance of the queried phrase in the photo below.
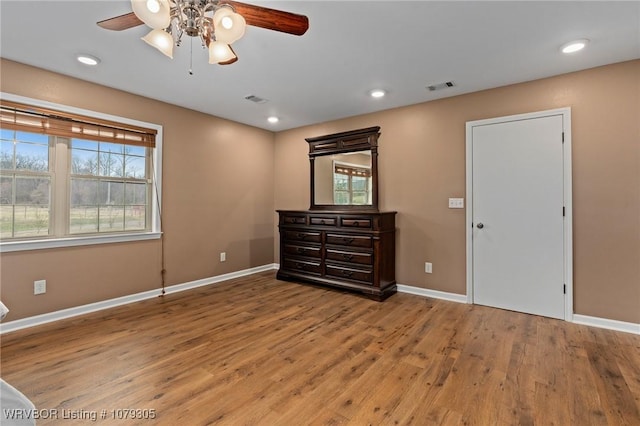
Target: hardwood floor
(257, 351)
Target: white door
(517, 214)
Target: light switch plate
(40, 287)
(456, 203)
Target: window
(109, 190)
(25, 184)
(351, 184)
(69, 179)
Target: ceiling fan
(218, 23)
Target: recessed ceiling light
(87, 59)
(574, 46)
(377, 93)
(273, 119)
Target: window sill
(11, 246)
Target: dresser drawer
(354, 222)
(351, 257)
(294, 219)
(302, 266)
(349, 274)
(323, 220)
(306, 236)
(302, 250)
(350, 240)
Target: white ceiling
(350, 48)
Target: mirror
(344, 170)
(343, 179)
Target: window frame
(99, 178)
(349, 191)
(15, 173)
(119, 237)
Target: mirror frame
(339, 143)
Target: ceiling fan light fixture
(226, 22)
(154, 13)
(153, 6)
(228, 25)
(220, 52)
(161, 40)
(209, 20)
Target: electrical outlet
(456, 203)
(428, 267)
(223, 257)
(40, 287)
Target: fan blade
(271, 19)
(122, 22)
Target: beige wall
(422, 164)
(217, 196)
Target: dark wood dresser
(348, 250)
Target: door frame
(567, 191)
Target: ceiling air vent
(256, 99)
(439, 86)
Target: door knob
(480, 225)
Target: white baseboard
(111, 303)
(627, 327)
(425, 292)
(219, 278)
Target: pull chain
(191, 56)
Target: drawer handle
(300, 265)
(347, 256)
(301, 235)
(347, 274)
(300, 250)
(347, 240)
(321, 221)
(355, 223)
